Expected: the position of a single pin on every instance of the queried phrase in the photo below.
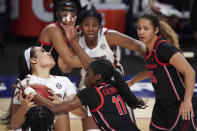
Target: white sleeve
(70, 87)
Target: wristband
(29, 90)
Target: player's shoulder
(52, 27)
(164, 44)
(61, 78)
(27, 77)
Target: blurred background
(21, 22)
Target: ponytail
(131, 100)
(168, 33)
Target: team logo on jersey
(102, 46)
(58, 85)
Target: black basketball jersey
(107, 107)
(166, 80)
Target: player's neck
(151, 43)
(91, 43)
(44, 73)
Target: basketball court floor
(142, 116)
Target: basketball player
(106, 94)
(53, 39)
(171, 75)
(36, 64)
(99, 42)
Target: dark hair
(89, 13)
(39, 118)
(107, 71)
(66, 3)
(164, 29)
(22, 64)
(61, 7)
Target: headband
(27, 57)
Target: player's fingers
(31, 104)
(27, 98)
(31, 97)
(27, 82)
(20, 97)
(77, 28)
(51, 91)
(74, 20)
(188, 114)
(62, 25)
(15, 86)
(192, 113)
(185, 115)
(18, 81)
(54, 97)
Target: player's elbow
(189, 72)
(192, 72)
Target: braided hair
(108, 73)
(39, 118)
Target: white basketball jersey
(102, 49)
(62, 86)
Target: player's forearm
(84, 58)
(81, 112)
(52, 106)
(18, 118)
(140, 76)
(62, 107)
(189, 84)
(67, 57)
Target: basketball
(42, 90)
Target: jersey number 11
(119, 104)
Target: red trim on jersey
(159, 127)
(176, 121)
(161, 63)
(171, 82)
(153, 47)
(45, 43)
(181, 79)
(105, 121)
(194, 124)
(102, 100)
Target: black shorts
(171, 119)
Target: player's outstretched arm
(71, 33)
(140, 76)
(62, 107)
(54, 34)
(115, 38)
